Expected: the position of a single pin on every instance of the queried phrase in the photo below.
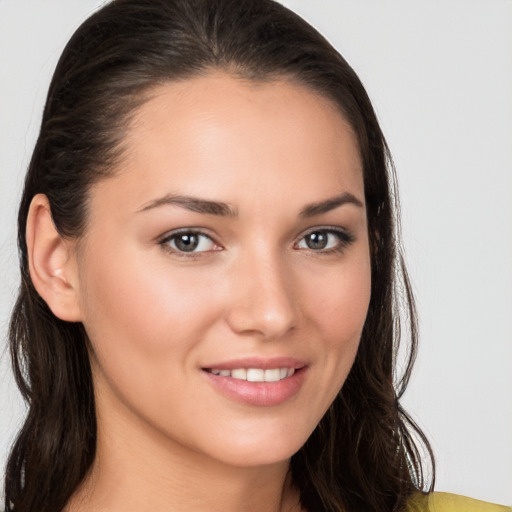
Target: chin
(257, 457)
(252, 449)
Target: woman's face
(225, 275)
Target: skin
(168, 439)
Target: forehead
(218, 135)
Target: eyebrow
(330, 204)
(193, 204)
(221, 209)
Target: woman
(221, 163)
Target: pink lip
(258, 362)
(263, 394)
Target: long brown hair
(366, 453)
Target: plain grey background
(440, 75)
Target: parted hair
(366, 454)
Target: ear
(52, 262)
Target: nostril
(258, 322)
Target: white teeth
(272, 375)
(256, 374)
(239, 373)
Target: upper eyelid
(323, 228)
(180, 231)
(328, 229)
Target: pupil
(316, 240)
(187, 242)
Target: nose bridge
(263, 300)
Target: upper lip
(265, 363)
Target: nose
(263, 300)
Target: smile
(247, 382)
(255, 374)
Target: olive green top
(445, 502)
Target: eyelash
(345, 238)
(164, 242)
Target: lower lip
(263, 394)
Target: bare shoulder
(446, 502)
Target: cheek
(145, 325)
(142, 312)
(341, 302)
(338, 306)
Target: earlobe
(52, 264)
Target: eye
(189, 242)
(325, 240)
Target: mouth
(258, 382)
(254, 374)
